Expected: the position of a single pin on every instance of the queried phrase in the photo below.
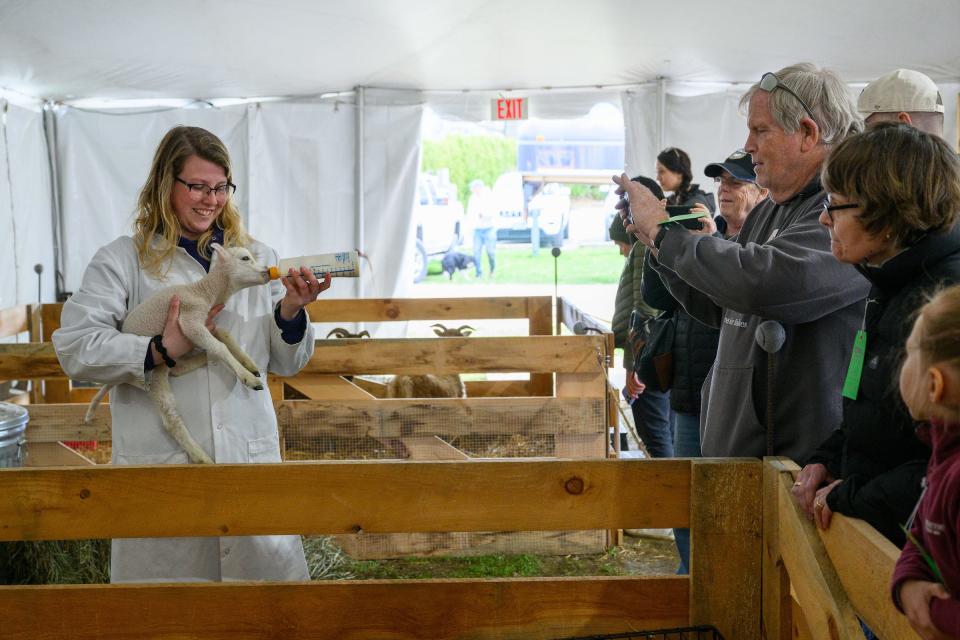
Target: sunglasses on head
(769, 82)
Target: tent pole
(661, 112)
(359, 181)
(51, 143)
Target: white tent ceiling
(69, 176)
(66, 49)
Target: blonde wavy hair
(155, 215)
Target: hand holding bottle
(302, 287)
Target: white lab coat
(230, 421)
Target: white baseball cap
(900, 90)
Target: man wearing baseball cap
(737, 189)
(903, 96)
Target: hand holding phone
(628, 218)
(685, 217)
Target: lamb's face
(244, 270)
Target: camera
(628, 219)
(694, 224)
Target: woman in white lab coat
(185, 206)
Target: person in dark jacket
(695, 344)
(651, 408)
(675, 175)
(893, 208)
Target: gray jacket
(778, 268)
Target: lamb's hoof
(256, 373)
(259, 387)
(250, 381)
(198, 456)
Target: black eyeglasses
(830, 208)
(199, 190)
(769, 82)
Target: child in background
(926, 580)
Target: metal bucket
(13, 426)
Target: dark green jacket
(629, 297)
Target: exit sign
(508, 109)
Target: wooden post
(777, 604)
(53, 390)
(35, 327)
(539, 314)
(825, 605)
(726, 536)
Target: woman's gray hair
(828, 97)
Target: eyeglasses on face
(730, 182)
(769, 82)
(199, 190)
(830, 208)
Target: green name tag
(852, 383)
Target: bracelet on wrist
(157, 342)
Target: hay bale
(55, 562)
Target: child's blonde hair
(939, 340)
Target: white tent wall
(559, 104)
(391, 163)
(641, 130)
(302, 180)
(26, 222)
(303, 188)
(295, 167)
(951, 94)
(104, 159)
(708, 127)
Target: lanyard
(851, 384)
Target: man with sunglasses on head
(778, 268)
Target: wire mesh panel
(449, 429)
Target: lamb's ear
(217, 253)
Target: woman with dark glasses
(892, 212)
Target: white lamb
(230, 271)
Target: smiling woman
(199, 196)
(184, 208)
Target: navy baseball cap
(739, 164)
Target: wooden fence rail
(562, 354)
(390, 497)
(838, 575)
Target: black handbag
(654, 367)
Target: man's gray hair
(828, 97)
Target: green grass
(493, 566)
(516, 265)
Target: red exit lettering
(509, 109)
